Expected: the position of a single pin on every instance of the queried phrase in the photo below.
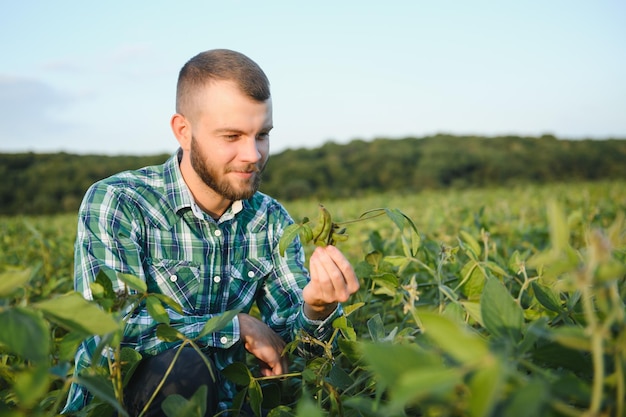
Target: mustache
(250, 168)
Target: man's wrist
(319, 312)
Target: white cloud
(27, 112)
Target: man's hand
(332, 281)
(264, 344)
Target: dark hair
(221, 64)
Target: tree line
(34, 183)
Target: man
(197, 230)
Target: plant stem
(620, 391)
(597, 351)
(167, 373)
(282, 376)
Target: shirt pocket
(177, 279)
(246, 279)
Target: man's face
(230, 140)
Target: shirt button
(251, 274)
(216, 279)
(224, 340)
(173, 278)
(218, 232)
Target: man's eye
(263, 136)
(231, 137)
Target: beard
(218, 182)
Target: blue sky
(99, 76)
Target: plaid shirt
(146, 223)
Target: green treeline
(53, 183)
(414, 164)
(33, 183)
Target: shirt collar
(179, 196)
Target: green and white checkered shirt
(146, 223)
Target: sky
(99, 77)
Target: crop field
(481, 302)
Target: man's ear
(181, 127)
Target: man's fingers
(348, 274)
(264, 344)
(325, 287)
(333, 274)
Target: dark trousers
(187, 375)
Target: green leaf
(307, 408)
(485, 387)
(129, 359)
(345, 326)
(25, 333)
(495, 268)
(217, 323)
(386, 283)
(350, 349)
(340, 378)
(427, 382)
(456, 339)
(454, 311)
(365, 406)
(97, 290)
(12, 280)
(473, 309)
(133, 282)
(570, 336)
(376, 327)
(390, 362)
(399, 218)
(238, 373)
(156, 310)
(502, 316)
(547, 297)
(374, 259)
(289, 234)
(73, 312)
(572, 389)
(31, 385)
(532, 334)
(448, 292)
(471, 243)
(349, 309)
(170, 302)
(530, 400)
(178, 406)
(280, 411)
(256, 397)
(168, 333)
(556, 356)
(473, 280)
(100, 386)
(68, 345)
(104, 280)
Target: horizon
(346, 143)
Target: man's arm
(286, 309)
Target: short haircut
(223, 65)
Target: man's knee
(188, 370)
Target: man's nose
(250, 151)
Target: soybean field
(484, 302)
